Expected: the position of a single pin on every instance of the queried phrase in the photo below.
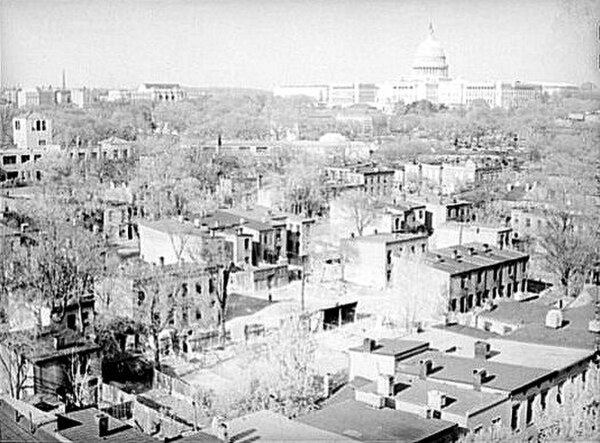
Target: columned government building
(429, 80)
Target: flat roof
(85, 429)
(268, 426)
(174, 227)
(503, 349)
(466, 262)
(447, 367)
(465, 401)
(394, 347)
(361, 422)
(388, 238)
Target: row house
(368, 258)
(376, 181)
(112, 148)
(484, 387)
(455, 233)
(465, 277)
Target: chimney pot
(425, 368)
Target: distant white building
(159, 92)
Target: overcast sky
(262, 43)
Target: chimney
(219, 429)
(180, 218)
(102, 425)
(554, 319)
(479, 377)
(197, 222)
(369, 344)
(435, 400)
(471, 250)
(482, 349)
(425, 367)
(486, 247)
(439, 258)
(455, 254)
(326, 385)
(385, 385)
(375, 231)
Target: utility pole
(303, 282)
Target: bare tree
(360, 210)
(568, 244)
(14, 367)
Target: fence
(172, 385)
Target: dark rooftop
(83, 427)
(363, 423)
(470, 256)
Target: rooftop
(83, 427)
(469, 257)
(464, 401)
(268, 426)
(360, 422)
(388, 238)
(503, 349)
(394, 347)
(500, 376)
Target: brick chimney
(425, 367)
(369, 344)
(482, 349)
(435, 400)
(479, 377)
(326, 385)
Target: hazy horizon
(264, 43)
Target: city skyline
(268, 43)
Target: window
(71, 321)
(389, 257)
(559, 390)
(529, 410)
(85, 317)
(527, 222)
(17, 125)
(388, 275)
(25, 158)
(453, 305)
(543, 398)
(423, 246)
(477, 429)
(514, 419)
(38, 125)
(43, 125)
(479, 274)
(141, 297)
(198, 314)
(412, 249)
(246, 244)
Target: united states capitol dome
(430, 59)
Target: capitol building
(429, 80)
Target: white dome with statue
(430, 59)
